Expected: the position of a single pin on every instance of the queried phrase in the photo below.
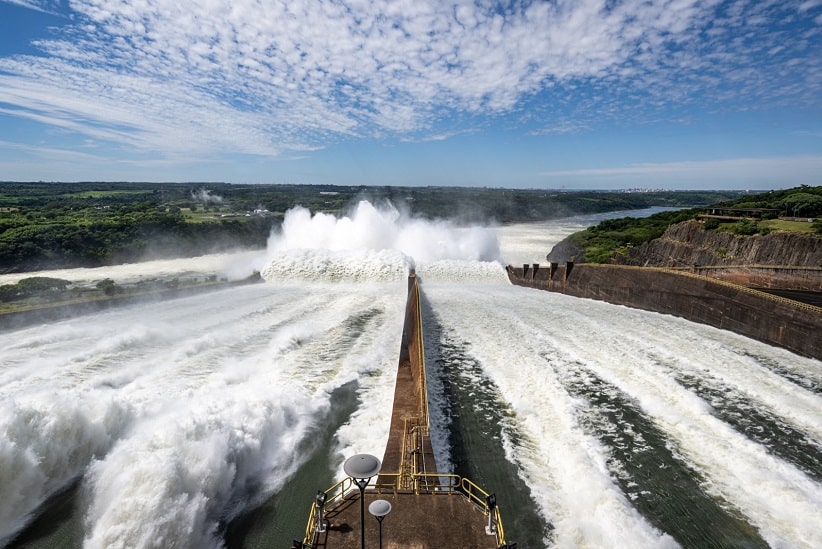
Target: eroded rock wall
(687, 244)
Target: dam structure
(403, 500)
(769, 318)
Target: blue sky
(575, 94)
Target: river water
(211, 420)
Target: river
(211, 420)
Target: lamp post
(361, 467)
(379, 508)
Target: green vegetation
(33, 292)
(44, 288)
(614, 237)
(745, 227)
(57, 225)
(804, 201)
(46, 226)
(42, 292)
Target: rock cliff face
(687, 244)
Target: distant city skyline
(585, 94)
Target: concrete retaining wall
(409, 445)
(765, 276)
(773, 320)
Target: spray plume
(370, 243)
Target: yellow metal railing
(334, 494)
(420, 344)
(434, 484)
(417, 425)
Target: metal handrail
(335, 493)
(467, 488)
(421, 350)
(435, 483)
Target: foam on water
(462, 271)
(176, 413)
(234, 266)
(565, 467)
(329, 266)
(379, 244)
(545, 332)
(46, 441)
(168, 484)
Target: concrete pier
(428, 508)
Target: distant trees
(802, 204)
(612, 237)
(34, 286)
(601, 242)
(748, 227)
(51, 225)
(32, 239)
(107, 286)
(802, 201)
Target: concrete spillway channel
(427, 507)
(772, 319)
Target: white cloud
(809, 5)
(564, 127)
(261, 78)
(37, 5)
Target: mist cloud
(385, 228)
(205, 196)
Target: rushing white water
(233, 266)
(169, 410)
(545, 334)
(176, 416)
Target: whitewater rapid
(173, 418)
(549, 353)
(170, 411)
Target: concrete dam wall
(765, 276)
(408, 450)
(774, 320)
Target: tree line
(58, 225)
(600, 243)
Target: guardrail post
(321, 497)
(491, 501)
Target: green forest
(787, 210)
(58, 225)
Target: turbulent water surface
(211, 420)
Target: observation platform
(415, 521)
(427, 508)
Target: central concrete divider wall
(771, 319)
(409, 445)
